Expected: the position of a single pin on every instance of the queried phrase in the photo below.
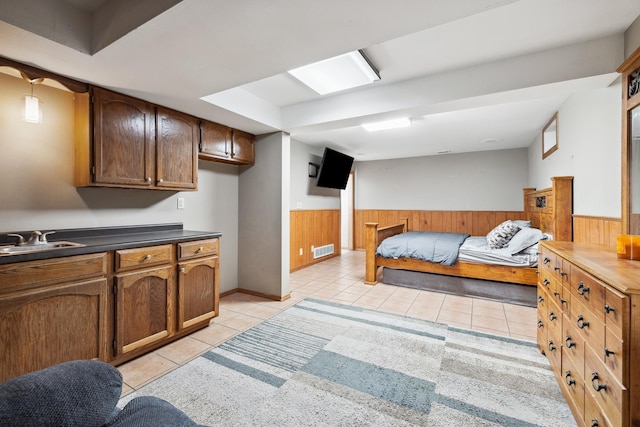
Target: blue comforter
(424, 245)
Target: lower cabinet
(110, 306)
(61, 316)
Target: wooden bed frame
(550, 210)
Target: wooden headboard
(551, 209)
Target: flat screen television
(334, 169)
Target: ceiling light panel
(338, 73)
(387, 124)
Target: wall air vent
(321, 251)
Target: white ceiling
(472, 74)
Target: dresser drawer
(130, 259)
(553, 346)
(197, 249)
(593, 413)
(573, 346)
(588, 291)
(616, 310)
(615, 356)
(608, 392)
(547, 262)
(588, 325)
(573, 382)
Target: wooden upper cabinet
(177, 150)
(224, 144)
(126, 142)
(123, 140)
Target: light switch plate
(180, 202)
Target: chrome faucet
(36, 238)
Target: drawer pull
(551, 346)
(608, 352)
(552, 316)
(563, 301)
(595, 383)
(582, 323)
(594, 423)
(200, 249)
(540, 299)
(147, 257)
(540, 324)
(568, 379)
(546, 260)
(563, 274)
(568, 343)
(556, 293)
(546, 282)
(182, 270)
(608, 309)
(582, 289)
(556, 268)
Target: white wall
(304, 194)
(37, 191)
(589, 149)
(448, 182)
(263, 218)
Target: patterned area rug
(324, 364)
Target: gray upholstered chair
(80, 393)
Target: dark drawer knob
(552, 316)
(595, 382)
(568, 379)
(546, 260)
(594, 423)
(563, 274)
(608, 309)
(551, 346)
(556, 293)
(582, 323)
(582, 289)
(546, 282)
(540, 324)
(608, 352)
(568, 343)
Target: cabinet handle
(540, 299)
(200, 249)
(568, 343)
(540, 324)
(594, 422)
(563, 301)
(148, 179)
(556, 293)
(551, 346)
(595, 383)
(160, 181)
(552, 316)
(582, 289)
(556, 268)
(568, 379)
(182, 270)
(546, 260)
(563, 274)
(582, 323)
(608, 309)
(546, 282)
(608, 352)
(147, 257)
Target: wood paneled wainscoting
(596, 229)
(312, 229)
(476, 223)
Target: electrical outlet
(180, 202)
(300, 251)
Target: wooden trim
(598, 230)
(312, 228)
(267, 296)
(32, 73)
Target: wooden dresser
(589, 328)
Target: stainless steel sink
(16, 250)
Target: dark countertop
(105, 239)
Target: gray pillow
(523, 239)
(502, 234)
(521, 223)
(77, 393)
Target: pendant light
(32, 112)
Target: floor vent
(321, 251)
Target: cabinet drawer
(573, 346)
(196, 249)
(615, 356)
(588, 325)
(573, 382)
(616, 310)
(548, 262)
(608, 392)
(588, 291)
(31, 274)
(594, 413)
(130, 259)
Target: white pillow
(502, 234)
(523, 239)
(521, 223)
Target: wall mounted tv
(334, 169)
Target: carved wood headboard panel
(551, 209)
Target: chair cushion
(76, 393)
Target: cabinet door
(177, 150)
(243, 147)
(144, 308)
(123, 140)
(198, 289)
(215, 140)
(46, 326)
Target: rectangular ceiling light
(342, 72)
(387, 124)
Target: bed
(548, 210)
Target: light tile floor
(341, 280)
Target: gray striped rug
(324, 364)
